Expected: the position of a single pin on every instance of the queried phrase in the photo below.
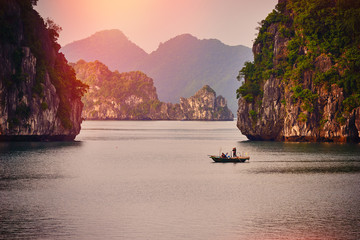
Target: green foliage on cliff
(262, 68)
(253, 115)
(312, 29)
(306, 96)
(113, 84)
(133, 92)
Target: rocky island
(40, 97)
(132, 96)
(304, 83)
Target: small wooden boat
(230, 159)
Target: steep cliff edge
(132, 96)
(304, 83)
(40, 97)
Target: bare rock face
(277, 117)
(32, 105)
(263, 120)
(204, 105)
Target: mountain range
(179, 66)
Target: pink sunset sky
(150, 22)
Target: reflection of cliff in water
(28, 147)
(22, 165)
(329, 149)
(302, 158)
(309, 169)
(23, 217)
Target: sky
(148, 23)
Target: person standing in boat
(234, 152)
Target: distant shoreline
(153, 120)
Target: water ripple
(306, 170)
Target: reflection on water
(154, 180)
(305, 151)
(303, 158)
(25, 147)
(310, 169)
(23, 163)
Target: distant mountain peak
(104, 35)
(205, 88)
(187, 40)
(183, 39)
(114, 33)
(105, 46)
(186, 36)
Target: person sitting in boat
(234, 152)
(223, 155)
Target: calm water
(154, 180)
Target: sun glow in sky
(149, 22)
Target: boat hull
(231, 159)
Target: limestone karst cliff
(132, 96)
(40, 97)
(205, 105)
(304, 83)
